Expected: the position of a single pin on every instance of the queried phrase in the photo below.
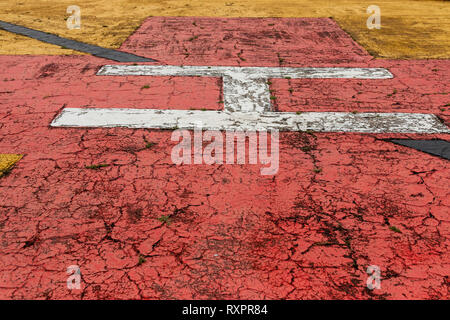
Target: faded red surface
(310, 231)
(245, 42)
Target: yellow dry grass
(409, 29)
(7, 161)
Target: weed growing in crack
(97, 166)
(165, 219)
(148, 144)
(395, 229)
(393, 92)
(141, 260)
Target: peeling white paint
(249, 121)
(245, 88)
(252, 72)
(247, 105)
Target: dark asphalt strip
(440, 148)
(97, 51)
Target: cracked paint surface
(111, 201)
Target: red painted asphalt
(310, 231)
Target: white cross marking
(247, 104)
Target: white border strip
(243, 121)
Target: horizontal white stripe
(236, 121)
(252, 72)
